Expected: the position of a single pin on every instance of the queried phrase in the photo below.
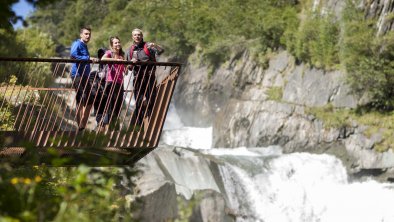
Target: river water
(263, 184)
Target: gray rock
(313, 87)
(167, 173)
(211, 207)
(156, 201)
(278, 65)
(360, 148)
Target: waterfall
(303, 187)
(263, 184)
(176, 134)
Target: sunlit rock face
(374, 9)
(235, 100)
(381, 10)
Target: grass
(376, 122)
(275, 93)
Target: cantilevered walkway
(38, 121)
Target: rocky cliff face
(381, 10)
(235, 101)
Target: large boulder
(211, 206)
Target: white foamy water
(262, 184)
(302, 187)
(176, 134)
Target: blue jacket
(79, 50)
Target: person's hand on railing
(94, 60)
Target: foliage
(275, 93)
(376, 122)
(368, 58)
(186, 207)
(9, 48)
(43, 193)
(178, 25)
(8, 17)
(7, 119)
(316, 40)
(29, 42)
(37, 43)
(332, 117)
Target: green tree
(368, 58)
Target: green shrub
(61, 194)
(368, 58)
(275, 93)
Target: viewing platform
(38, 112)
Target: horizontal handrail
(59, 60)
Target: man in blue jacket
(80, 73)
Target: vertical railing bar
(38, 130)
(39, 121)
(24, 114)
(134, 95)
(38, 116)
(108, 101)
(30, 117)
(40, 127)
(72, 105)
(99, 124)
(45, 128)
(63, 115)
(140, 107)
(88, 98)
(127, 108)
(61, 104)
(173, 71)
(23, 100)
(146, 128)
(115, 105)
(32, 111)
(164, 111)
(79, 106)
(108, 104)
(104, 111)
(152, 117)
(58, 112)
(142, 127)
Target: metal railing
(39, 106)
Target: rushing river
(262, 184)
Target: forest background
(348, 42)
